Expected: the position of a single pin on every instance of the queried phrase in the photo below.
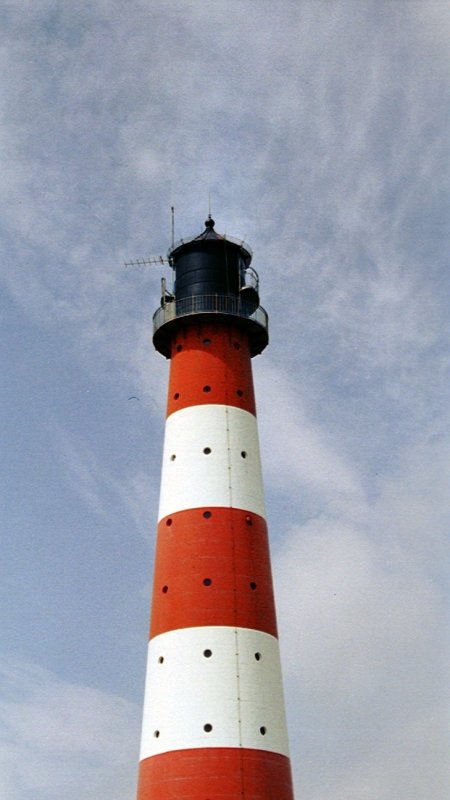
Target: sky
(319, 131)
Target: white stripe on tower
(211, 458)
(213, 686)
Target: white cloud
(297, 454)
(60, 738)
(353, 608)
(361, 611)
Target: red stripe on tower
(214, 723)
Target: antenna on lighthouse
(146, 262)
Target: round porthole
(169, 522)
(206, 451)
(206, 388)
(207, 728)
(207, 653)
(207, 581)
(176, 395)
(258, 656)
(207, 514)
(165, 589)
(156, 734)
(263, 730)
(252, 585)
(161, 660)
(243, 454)
(173, 457)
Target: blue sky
(320, 130)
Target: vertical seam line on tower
(236, 636)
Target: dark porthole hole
(207, 653)
(165, 589)
(252, 585)
(161, 660)
(263, 730)
(156, 734)
(169, 522)
(243, 454)
(173, 457)
(258, 656)
(176, 395)
(207, 728)
(207, 581)
(207, 341)
(206, 388)
(207, 514)
(206, 451)
(248, 520)
(239, 393)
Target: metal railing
(209, 304)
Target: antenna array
(146, 262)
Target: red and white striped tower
(214, 723)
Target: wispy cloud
(103, 491)
(299, 455)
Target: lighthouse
(214, 723)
